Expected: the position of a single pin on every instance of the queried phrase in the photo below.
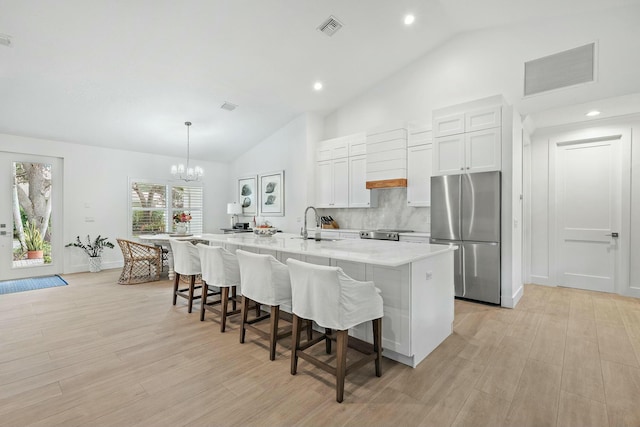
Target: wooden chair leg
(295, 344)
(176, 280)
(257, 309)
(192, 285)
(234, 295)
(203, 302)
(377, 344)
(273, 335)
(341, 363)
(327, 340)
(244, 311)
(224, 301)
(309, 330)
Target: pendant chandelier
(188, 173)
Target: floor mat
(21, 285)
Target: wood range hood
(387, 183)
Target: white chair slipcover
(336, 302)
(219, 269)
(219, 266)
(186, 262)
(330, 297)
(264, 279)
(186, 259)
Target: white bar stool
(220, 269)
(337, 302)
(264, 280)
(186, 262)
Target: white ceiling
(128, 74)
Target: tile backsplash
(392, 212)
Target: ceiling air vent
(330, 26)
(568, 68)
(228, 106)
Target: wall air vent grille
(330, 26)
(228, 106)
(563, 69)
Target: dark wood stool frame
(187, 293)
(343, 340)
(223, 301)
(272, 336)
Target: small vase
(95, 264)
(181, 228)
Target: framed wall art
(271, 187)
(248, 195)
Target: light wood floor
(97, 353)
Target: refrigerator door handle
(464, 281)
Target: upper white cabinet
(482, 150)
(419, 166)
(359, 196)
(341, 173)
(471, 121)
(331, 176)
(468, 142)
(448, 125)
(485, 118)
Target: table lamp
(234, 209)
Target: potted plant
(34, 241)
(94, 250)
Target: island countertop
(378, 252)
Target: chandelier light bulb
(187, 173)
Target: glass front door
(30, 229)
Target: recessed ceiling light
(317, 86)
(593, 113)
(409, 19)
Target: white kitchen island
(416, 281)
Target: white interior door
(30, 187)
(588, 197)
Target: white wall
(485, 63)
(96, 184)
(291, 149)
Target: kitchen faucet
(304, 232)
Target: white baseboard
(512, 301)
(83, 268)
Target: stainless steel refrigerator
(465, 210)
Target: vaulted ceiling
(128, 74)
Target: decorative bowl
(265, 231)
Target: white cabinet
(485, 118)
(359, 196)
(470, 121)
(469, 142)
(448, 125)
(482, 150)
(448, 155)
(331, 176)
(419, 164)
(341, 173)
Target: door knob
(612, 234)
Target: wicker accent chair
(142, 263)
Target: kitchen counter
(378, 252)
(415, 280)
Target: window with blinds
(189, 200)
(153, 206)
